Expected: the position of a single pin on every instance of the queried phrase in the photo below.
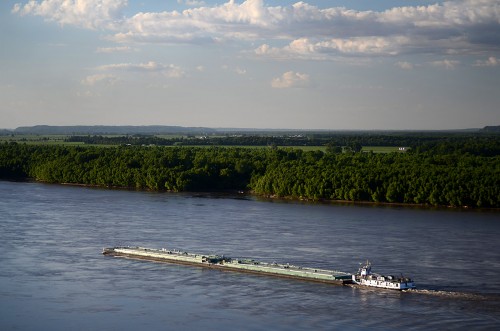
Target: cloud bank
(90, 14)
(450, 28)
(490, 62)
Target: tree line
(485, 144)
(246, 140)
(454, 179)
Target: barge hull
(224, 267)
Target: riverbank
(264, 197)
(367, 203)
(422, 179)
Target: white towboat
(367, 278)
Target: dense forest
(451, 173)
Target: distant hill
(4, 132)
(165, 129)
(495, 129)
(103, 129)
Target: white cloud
(404, 65)
(490, 62)
(119, 49)
(171, 71)
(91, 14)
(265, 49)
(191, 3)
(291, 79)
(240, 71)
(245, 21)
(237, 70)
(447, 14)
(450, 27)
(305, 48)
(448, 64)
(99, 78)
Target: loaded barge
(227, 263)
(364, 277)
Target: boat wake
(452, 294)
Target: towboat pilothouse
(365, 277)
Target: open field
(60, 141)
(32, 138)
(42, 140)
(380, 149)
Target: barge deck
(229, 264)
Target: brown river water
(54, 277)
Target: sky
(313, 64)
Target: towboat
(365, 277)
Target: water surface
(53, 276)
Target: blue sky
(357, 64)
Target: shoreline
(370, 203)
(268, 197)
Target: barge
(230, 264)
(364, 276)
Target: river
(54, 277)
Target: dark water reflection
(53, 277)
